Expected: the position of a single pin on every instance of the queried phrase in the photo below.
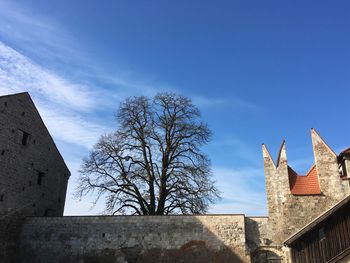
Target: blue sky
(260, 71)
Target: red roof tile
(304, 185)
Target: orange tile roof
(304, 185)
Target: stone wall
(33, 174)
(209, 238)
(287, 212)
(256, 232)
(10, 230)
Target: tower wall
(288, 212)
(277, 189)
(33, 175)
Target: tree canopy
(152, 164)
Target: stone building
(33, 175)
(293, 202)
(325, 239)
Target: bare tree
(152, 164)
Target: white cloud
(241, 191)
(18, 73)
(58, 100)
(35, 32)
(71, 128)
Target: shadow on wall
(134, 239)
(192, 252)
(258, 242)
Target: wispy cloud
(49, 43)
(35, 33)
(70, 127)
(242, 191)
(18, 73)
(59, 100)
(71, 103)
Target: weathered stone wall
(216, 238)
(22, 165)
(258, 242)
(10, 230)
(256, 232)
(287, 212)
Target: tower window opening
(344, 171)
(40, 178)
(25, 138)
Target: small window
(2, 197)
(40, 178)
(5, 103)
(25, 138)
(344, 169)
(23, 113)
(2, 152)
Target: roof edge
(15, 94)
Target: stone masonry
(146, 239)
(288, 212)
(33, 175)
